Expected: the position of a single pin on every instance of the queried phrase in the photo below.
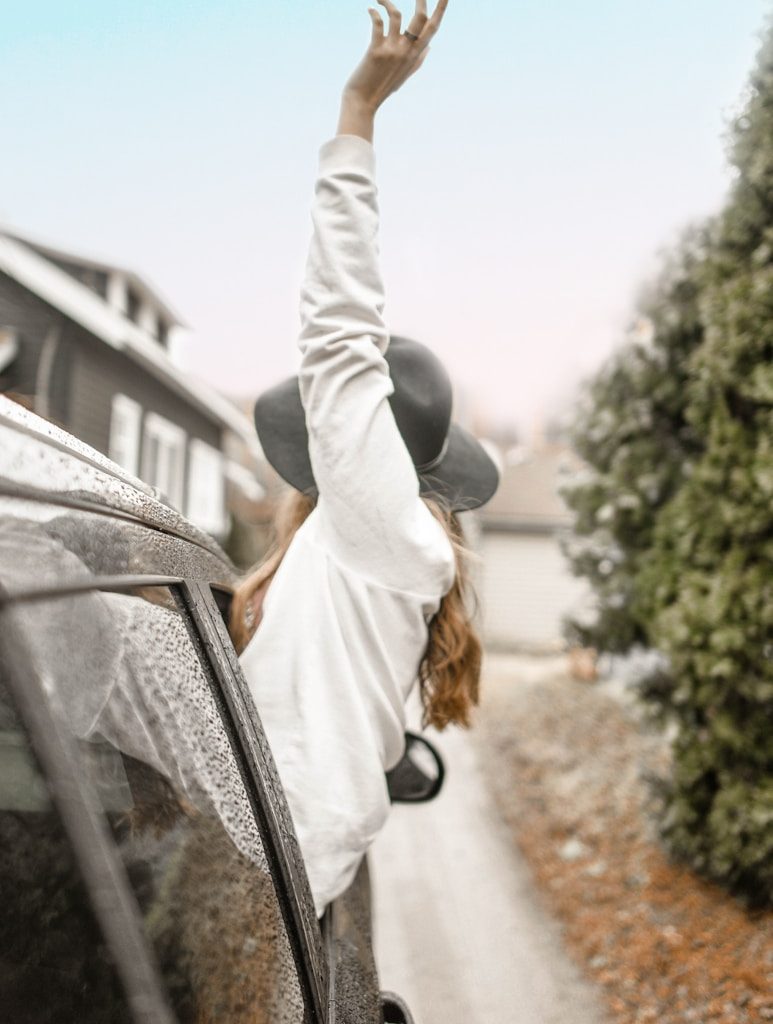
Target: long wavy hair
(449, 671)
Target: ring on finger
(411, 36)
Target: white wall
(525, 589)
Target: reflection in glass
(54, 965)
(125, 676)
(171, 788)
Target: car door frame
(94, 848)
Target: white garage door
(525, 590)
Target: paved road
(459, 932)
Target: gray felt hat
(451, 464)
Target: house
(526, 586)
(86, 344)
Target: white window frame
(163, 457)
(116, 291)
(205, 506)
(147, 318)
(125, 422)
(9, 347)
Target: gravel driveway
(459, 931)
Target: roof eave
(525, 524)
(84, 307)
(170, 314)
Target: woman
(367, 582)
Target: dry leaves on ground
(571, 768)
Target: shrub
(679, 438)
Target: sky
(528, 175)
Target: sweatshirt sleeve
(369, 504)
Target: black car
(149, 867)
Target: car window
(126, 677)
(54, 964)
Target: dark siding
(31, 320)
(99, 372)
(92, 385)
(87, 373)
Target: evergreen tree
(706, 591)
(632, 433)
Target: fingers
(434, 22)
(395, 18)
(419, 19)
(378, 26)
(420, 25)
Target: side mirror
(394, 1010)
(418, 777)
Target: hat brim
(466, 477)
(280, 421)
(463, 479)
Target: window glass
(163, 457)
(206, 488)
(125, 417)
(132, 304)
(9, 347)
(54, 965)
(125, 675)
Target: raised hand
(392, 57)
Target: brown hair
(449, 672)
(292, 512)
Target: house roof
(29, 268)
(138, 283)
(528, 496)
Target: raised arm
(364, 474)
(392, 57)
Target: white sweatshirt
(344, 623)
